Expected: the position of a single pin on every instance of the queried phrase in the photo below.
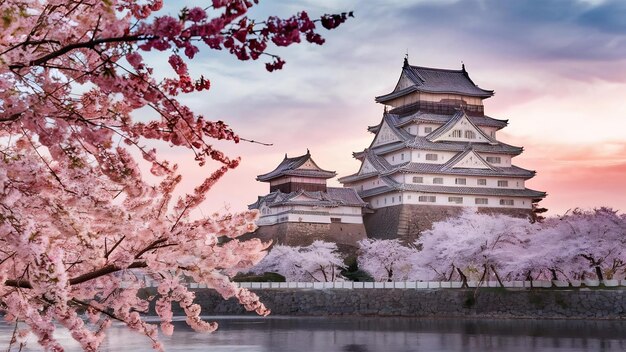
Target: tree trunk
(451, 273)
(463, 278)
(599, 273)
(482, 278)
(497, 276)
(529, 277)
(554, 277)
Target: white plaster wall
(442, 199)
(470, 181)
(367, 184)
(419, 156)
(490, 131)
(422, 128)
(287, 179)
(321, 219)
(398, 157)
(505, 159)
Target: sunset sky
(558, 69)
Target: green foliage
(353, 273)
(265, 277)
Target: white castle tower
(435, 152)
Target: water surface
(356, 334)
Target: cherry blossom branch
(89, 44)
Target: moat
(358, 334)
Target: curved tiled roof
(481, 191)
(436, 80)
(451, 123)
(424, 142)
(333, 197)
(429, 117)
(383, 168)
(289, 167)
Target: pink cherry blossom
(81, 229)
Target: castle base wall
(407, 221)
(303, 234)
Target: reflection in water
(357, 334)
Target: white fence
(419, 285)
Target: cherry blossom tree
(472, 246)
(388, 260)
(320, 261)
(77, 217)
(578, 245)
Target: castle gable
(366, 168)
(470, 160)
(460, 129)
(385, 135)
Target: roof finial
(385, 111)
(307, 151)
(463, 66)
(285, 155)
(406, 57)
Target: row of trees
(479, 247)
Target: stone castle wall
(303, 234)
(482, 303)
(407, 221)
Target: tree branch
(89, 44)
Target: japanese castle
(301, 208)
(435, 152)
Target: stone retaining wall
(407, 221)
(303, 233)
(582, 303)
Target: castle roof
(428, 117)
(302, 165)
(333, 197)
(459, 115)
(436, 80)
(407, 140)
(383, 168)
(391, 186)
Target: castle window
(428, 129)
(393, 158)
(507, 202)
(400, 199)
(456, 200)
(431, 157)
(335, 219)
(456, 133)
(418, 179)
(438, 180)
(481, 201)
(481, 182)
(470, 135)
(503, 183)
(494, 159)
(402, 156)
(460, 181)
(393, 199)
(429, 199)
